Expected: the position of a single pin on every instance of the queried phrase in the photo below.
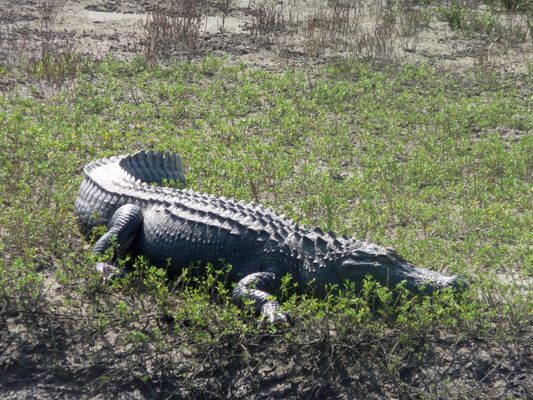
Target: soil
(45, 359)
(235, 29)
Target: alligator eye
(382, 258)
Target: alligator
(175, 228)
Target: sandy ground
(101, 27)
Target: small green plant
(485, 22)
(21, 286)
(454, 14)
(328, 204)
(171, 183)
(158, 286)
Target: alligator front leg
(257, 289)
(122, 230)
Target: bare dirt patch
(265, 34)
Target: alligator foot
(256, 291)
(110, 271)
(274, 315)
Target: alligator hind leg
(122, 230)
(258, 289)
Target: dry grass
(171, 28)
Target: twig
(488, 51)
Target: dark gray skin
(175, 228)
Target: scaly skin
(175, 228)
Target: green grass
(410, 158)
(488, 18)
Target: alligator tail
(154, 167)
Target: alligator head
(390, 269)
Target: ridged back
(111, 183)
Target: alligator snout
(429, 282)
(458, 283)
(392, 271)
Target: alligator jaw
(393, 271)
(428, 282)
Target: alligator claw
(110, 271)
(276, 317)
